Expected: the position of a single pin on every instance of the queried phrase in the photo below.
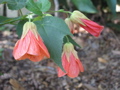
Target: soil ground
(100, 57)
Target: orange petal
(34, 48)
(73, 68)
(25, 56)
(35, 58)
(65, 65)
(80, 65)
(43, 47)
(60, 72)
(21, 48)
(65, 62)
(92, 27)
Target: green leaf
(37, 18)
(18, 4)
(71, 40)
(3, 1)
(52, 31)
(112, 5)
(19, 27)
(5, 20)
(7, 1)
(113, 26)
(39, 6)
(44, 5)
(32, 6)
(14, 4)
(85, 6)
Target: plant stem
(29, 17)
(20, 12)
(67, 38)
(62, 10)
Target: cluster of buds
(80, 20)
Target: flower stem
(29, 17)
(67, 38)
(62, 10)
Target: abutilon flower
(70, 61)
(30, 46)
(93, 28)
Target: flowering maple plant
(42, 35)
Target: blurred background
(100, 56)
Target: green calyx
(68, 47)
(29, 26)
(76, 16)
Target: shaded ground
(100, 57)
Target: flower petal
(35, 58)
(65, 65)
(21, 48)
(92, 27)
(43, 48)
(80, 65)
(65, 62)
(73, 68)
(60, 72)
(34, 48)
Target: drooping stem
(67, 38)
(29, 17)
(62, 10)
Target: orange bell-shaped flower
(70, 61)
(93, 28)
(30, 46)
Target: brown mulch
(100, 57)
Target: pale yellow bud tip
(29, 26)
(68, 47)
